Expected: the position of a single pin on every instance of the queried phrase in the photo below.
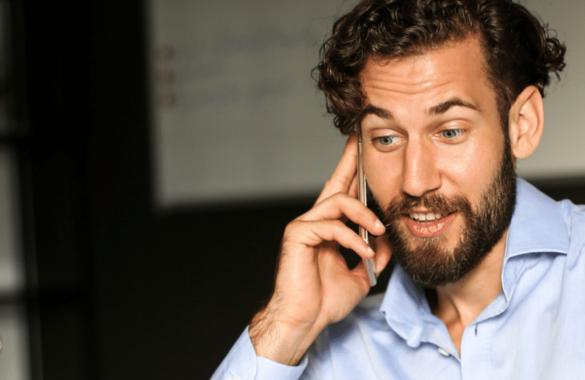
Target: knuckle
(333, 199)
(340, 196)
(292, 227)
(337, 224)
(342, 180)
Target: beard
(425, 259)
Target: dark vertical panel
(56, 37)
(119, 191)
(173, 292)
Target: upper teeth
(427, 216)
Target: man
(490, 274)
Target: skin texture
(313, 286)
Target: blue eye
(451, 133)
(387, 140)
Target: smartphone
(362, 196)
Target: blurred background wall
(151, 154)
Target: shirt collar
(537, 226)
(405, 307)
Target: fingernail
(379, 225)
(371, 251)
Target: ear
(526, 122)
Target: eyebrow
(445, 106)
(439, 109)
(380, 112)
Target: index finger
(345, 172)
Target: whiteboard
(236, 115)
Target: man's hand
(314, 287)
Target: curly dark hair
(519, 50)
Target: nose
(419, 174)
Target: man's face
(436, 160)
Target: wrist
(281, 341)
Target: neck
(460, 303)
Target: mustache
(434, 202)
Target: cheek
(383, 174)
(457, 164)
(471, 167)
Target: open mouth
(428, 217)
(428, 224)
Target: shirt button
(236, 378)
(443, 352)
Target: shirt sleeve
(241, 363)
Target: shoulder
(574, 218)
(574, 214)
(575, 222)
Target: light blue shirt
(535, 328)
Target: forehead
(456, 69)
